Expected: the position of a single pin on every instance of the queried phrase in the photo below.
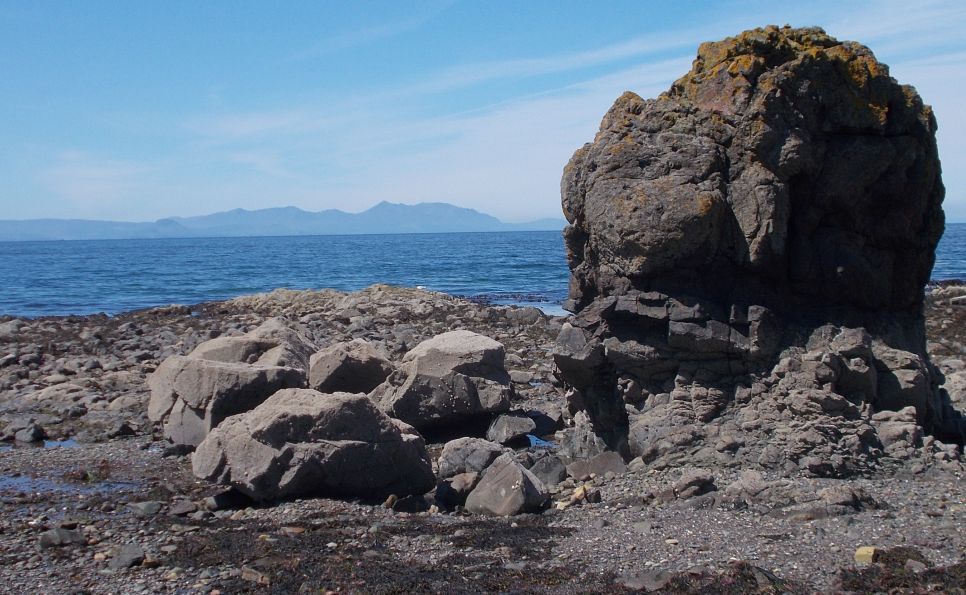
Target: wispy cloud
(504, 157)
(368, 35)
(359, 37)
(478, 73)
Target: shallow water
(69, 443)
(24, 484)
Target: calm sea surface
(84, 277)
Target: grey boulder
(192, 396)
(227, 375)
(301, 442)
(467, 455)
(510, 428)
(127, 556)
(355, 366)
(447, 379)
(60, 536)
(507, 489)
(549, 469)
(605, 462)
(272, 343)
(452, 491)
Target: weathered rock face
(192, 394)
(510, 428)
(272, 343)
(506, 489)
(467, 455)
(447, 379)
(756, 239)
(301, 442)
(354, 367)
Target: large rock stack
(748, 253)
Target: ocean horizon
(81, 277)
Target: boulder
(549, 469)
(10, 330)
(453, 491)
(126, 556)
(510, 428)
(355, 366)
(448, 379)
(32, 433)
(60, 536)
(753, 245)
(301, 442)
(693, 482)
(467, 455)
(605, 462)
(898, 427)
(272, 343)
(192, 396)
(507, 489)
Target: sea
(55, 278)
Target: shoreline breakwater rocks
(748, 254)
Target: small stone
(915, 566)
(646, 581)
(127, 556)
(32, 433)
(150, 562)
(866, 555)
(255, 576)
(182, 507)
(121, 429)
(60, 537)
(520, 376)
(144, 509)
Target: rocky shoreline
(83, 379)
(754, 394)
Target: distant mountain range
(385, 217)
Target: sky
(135, 110)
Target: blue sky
(139, 110)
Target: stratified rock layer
(748, 254)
